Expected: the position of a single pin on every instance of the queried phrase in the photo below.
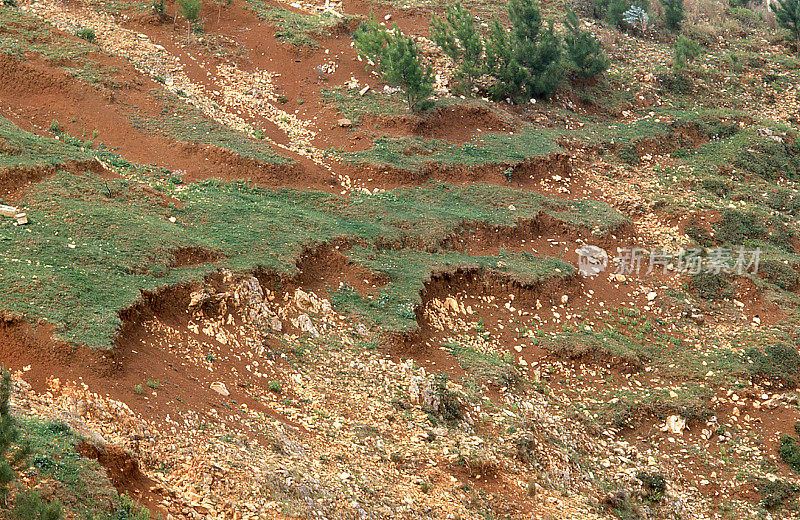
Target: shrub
(397, 58)
(674, 14)
(676, 82)
(780, 274)
(30, 506)
(712, 286)
(87, 33)
(654, 485)
(584, 50)
(684, 52)
(8, 436)
(458, 37)
(787, 13)
(776, 493)
(611, 11)
(158, 8)
(778, 363)
(737, 226)
(789, 451)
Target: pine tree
(546, 68)
(526, 61)
(673, 14)
(502, 65)
(403, 68)
(370, 39)
(397, 58)
(458, 37)
(537, 51)
(584, 50)
(8, 436)
(787, 12)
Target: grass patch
(627, 407)
(407, 271)
(79, 484)
(414, 154)
(22, 34)
(299, 29)
(499, 369)
(354, 107)
(183, 122)
(93, 244)
(21, 149)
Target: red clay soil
(34, 92)
(124, 474)
(456, 124)
(326, 269)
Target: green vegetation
(190, 10)
(584, 50)
(95, 243)
(397, 59)
(787, 13)
(777, 493)
(24, 36)
(86, 33)
(525, 61)
(408, 270)
(21, 149)
(487, 367)
(628, 406)
(299, 29)
(779, 363)
(275, 387)
(414, 154)
(685, 51)
(183, 122)
(458, 37)
(789, 450)
(354, 106)
(674, 14)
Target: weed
(778, 363)
(789, 450)
(138, 389)
(154, 384)
(275, 387)
(86, 33)
(712, 286)
(501, 370)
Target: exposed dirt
(124, 473)
(456, 124)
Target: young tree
(787, 12)
(397, 58)
(584, 50)
(404, 69)
(525, 61)
(673, 14)
(502, 64)
(370, 39)
(537, 51)
(190, 10)
(458, 37)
